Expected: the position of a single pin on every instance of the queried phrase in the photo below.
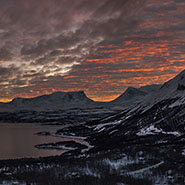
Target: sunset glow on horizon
(100, 48)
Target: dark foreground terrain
(131, 147)
(117, 150)
(142, 145)
(133, 165)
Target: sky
(100, 47)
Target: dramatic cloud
(5, 54)
(100, 47)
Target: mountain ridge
(54, 101)
(74, 99)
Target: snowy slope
(173, 89)
(160, 115)
(158, 120)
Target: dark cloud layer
(100, 47)
(5, 54)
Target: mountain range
(55, 101)
(76, 99)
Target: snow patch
(113, 131)
(89, 172)
(118, 164)
(177, 103)
(88, 146)
(183, 152)
(152, 130)
(145, 169)
(100, 126)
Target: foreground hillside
(158, 120)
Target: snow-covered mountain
(55, 101)
(77, 99)
(158, 120)
(161, 115)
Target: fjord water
(18, 140)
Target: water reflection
(18, 140)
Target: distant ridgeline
(77, 99)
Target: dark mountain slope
(129, 96)
(158, 120)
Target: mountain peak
(132, 91)
(131, 94)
